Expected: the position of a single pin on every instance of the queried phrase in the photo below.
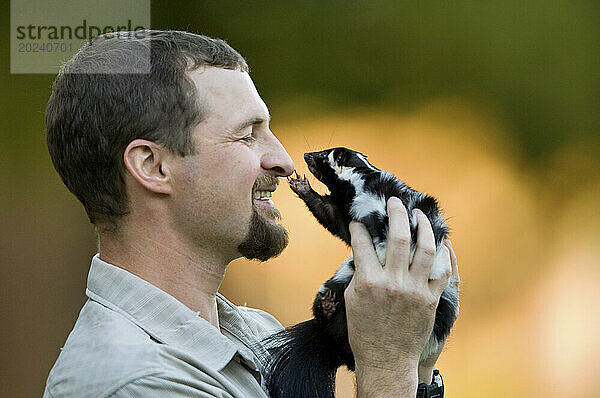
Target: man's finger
(365, 257)
(441, 271)
(425, 251)
(454, 278)
(397, 253)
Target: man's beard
(264, 239)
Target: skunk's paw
(328, 303)
(299, 185)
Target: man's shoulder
(260, 318)
(103, 352)
(259, 322)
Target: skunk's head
(337, 165)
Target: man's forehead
(205, 75)
(225, 91)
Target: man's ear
(146, 161)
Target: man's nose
(277, 159)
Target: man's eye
(249, 138)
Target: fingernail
(416, 212)
(393, 200)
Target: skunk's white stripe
(348, 174)
(367, 203)
(343, 274)
(364, 203)
(331, 161)
(362, 158)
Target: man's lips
(263, 190)
(263, 200)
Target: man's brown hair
(120, 87)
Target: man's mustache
(266, 180)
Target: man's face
(219, 191)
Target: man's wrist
(378, 382)
(425, 373)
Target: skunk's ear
(345, 156)
(337, 154)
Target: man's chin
(266, 238)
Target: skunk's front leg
(322, 207)
(329, 310)
(331, 293)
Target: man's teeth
(262, 194)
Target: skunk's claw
(328, 303)
(299, 185)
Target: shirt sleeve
(161, 386)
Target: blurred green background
(491, 106)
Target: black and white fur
(305, 357)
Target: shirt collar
(159, 314)
(249, 335)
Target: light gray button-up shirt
(134, 340)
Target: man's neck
(192, 277)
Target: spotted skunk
(305, 357)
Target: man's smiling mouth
(263, 189)
(261, 195)
(262, 198)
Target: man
(174, 167)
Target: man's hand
(390, 310)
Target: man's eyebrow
(250, 122)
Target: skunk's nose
(309, 158)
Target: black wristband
(433, 390)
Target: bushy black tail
(303, 363)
